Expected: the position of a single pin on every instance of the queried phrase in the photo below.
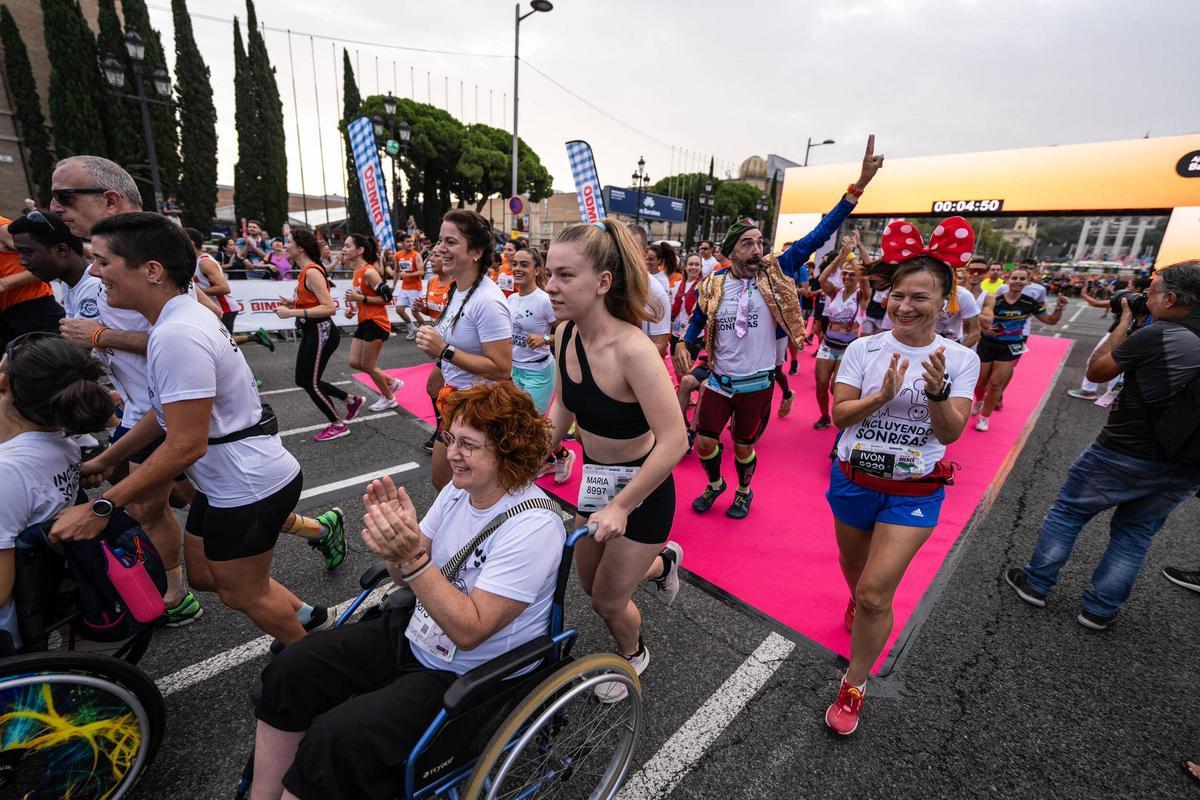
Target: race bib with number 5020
(600, 485)
(888, 461)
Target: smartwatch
(447, 354)
(103, 507)
(944, 394)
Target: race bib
(889, 461)
(406, 266)
(505, 282)
(600, 485)
(1105, 400)
(1017, 349)
(426, 634)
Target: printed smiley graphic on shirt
(519, 336)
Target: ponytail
(610, 247)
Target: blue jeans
(1144, 494)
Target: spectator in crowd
(254, 248)
(30, 205)
(278, 264)
(1146, 460)
(172, 210)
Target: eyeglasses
(40, 218)
(467, 446)
(65, 197)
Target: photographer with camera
(1090, 390)
(1146, 460)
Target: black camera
(1136, 300)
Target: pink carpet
(782, 559)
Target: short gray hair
(1184, 280)
(108, 175)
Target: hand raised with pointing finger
(871, 164)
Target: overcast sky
(731, 79)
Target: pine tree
(76, 96)
(272, 167)
(356, 210)
(198, 126)
(162, 117)
(124, 116)
(27, 106)
(247, 190)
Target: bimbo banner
(372, 180)
(587, 182)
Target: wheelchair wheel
(76, 725)
(561, 742)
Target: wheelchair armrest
(371, 578)
(485, 676)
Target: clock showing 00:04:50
(967, 206)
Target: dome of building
(754, 167)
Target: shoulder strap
(451, 567)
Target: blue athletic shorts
(862, 508)
(536, 380)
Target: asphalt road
(991, 698)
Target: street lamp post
(641, 182)
(395, 145)
(114, 73)
(537, 5)
(706, 202)
(761, 207)
(811, 145)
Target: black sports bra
(595, 411)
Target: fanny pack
(942, 475)
(743, 384)
(267, 425)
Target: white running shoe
(981, 424)
(976, 407)
(614, 692)
(396, 385)
(383, 404)
(412, 333)
(668, 585)
(563, 466)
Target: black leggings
(319, 339)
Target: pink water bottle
(128, 575)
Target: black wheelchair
(542, 734)
(72, 723)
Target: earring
(154, 282)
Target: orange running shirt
(10, 264)
(370, 312)
(435, 296)
(406, 260)
(304, 297)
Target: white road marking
(322, 426)
(358, 480)
(297, 389)
(679, 754)
(211, 667)
(1078, 311)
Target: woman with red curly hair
(341, 710)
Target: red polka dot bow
(951, 242)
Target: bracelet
(854, 191)
(417, 556)
(96, 336)
(305, 310)
(410, 577)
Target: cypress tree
(246, 187)
(162, 117)
(27, 106)
(198, 126)
(124, 117)
(77, 95)
(356, 210)
(272, 167)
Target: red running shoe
(851, 607)
(842, 716)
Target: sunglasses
(40, 219)
(65, 197)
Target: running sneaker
(335, 431)
(570, 437)
(382, 404)
(548, 466)
(185, 612)
(614, 692)
(1082, 394)
(842, 716)
(353, 404)
(668, 582)
(563, 467)
(332, 543)
(848, 618)
(1180, 577)
(785, 405)
(396, 385)
(262, 337)
(1095, 622)
(982, 423)
(795, 364)
(741, 504)
(705, 501)
(1019, 581)
(823, 423)
(320, 620)
(976, 407)
(412, 333)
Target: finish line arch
(1132, 177)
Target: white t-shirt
(39, 477)
(662, 279)
(679, 324)
(81, 301)
(530, 314)
(707, 265)
(191, 356)
(128, 370)
(518, 561)
(899, 435)
(485, 319)
(660, 306)
(951, 325)
(752, 353)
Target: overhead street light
(811, 145)
(114, 75)
(544, 6)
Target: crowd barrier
(255, 301)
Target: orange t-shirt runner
(10, 264)
(435, 296)
(304, 296)
(370, 312)
(406, 260)
(504, 277)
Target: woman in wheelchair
(340, 710)
(48, 389)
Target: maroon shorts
(749, 412)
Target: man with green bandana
(747, 314)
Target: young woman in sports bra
(368, 300)
(472, 342)
(845, 305)
(613, 385)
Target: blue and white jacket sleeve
(794, 262)
(695, 330)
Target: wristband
(854, 191)
(305, 310)
(411, 576)
(96, 336)
(417, 556)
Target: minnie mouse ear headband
(951, 242)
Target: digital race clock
(967, 206)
